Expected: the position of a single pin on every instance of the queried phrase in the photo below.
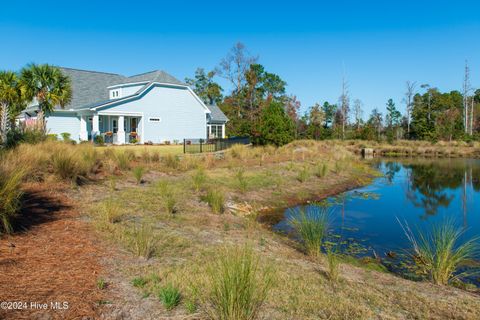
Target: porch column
(83, 129)
(223, 131)
(121, 130)
(95, 126)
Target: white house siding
(129, 90)
(182, 115)
(58, 123)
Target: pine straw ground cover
(54, 257)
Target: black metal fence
(211, 145)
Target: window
(154, 119)
(115, 125)
(216, 131)
(114, 94)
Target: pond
(419, 192)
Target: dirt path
(53, 257)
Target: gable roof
(91, 87)
(216, 115)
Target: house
(150, 107)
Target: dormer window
(115, 93)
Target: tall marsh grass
(198, 179)
(239, 285)
(439, 251)
(311, 227)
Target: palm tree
(11, 101)
(48, 86)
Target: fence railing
(211, 145)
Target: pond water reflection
(419, 192)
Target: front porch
(113, 128)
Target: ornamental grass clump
(311, 226)
(239, 285)
(216, 200)
(169, 296)
(138, 173)
(439, 252)
(10, 195)
(169, 197)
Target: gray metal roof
(216, 114)
(89, 88)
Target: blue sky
(381, 43)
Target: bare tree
(466, 90)
(344, 104)
(358, 112)
(235, 65)
(411, 86)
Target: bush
(437, 252)
(311, 227)
(216, 200)
(239, 285)
(276, 127)
(99, 140)
(138, 174)
(10, 195)
(66, 136)
(169, 296)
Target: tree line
(259, 107)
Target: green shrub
(169, 296)
(437, 252)
(239, 285)
(66, 136)
(311, 227)
(10, 195)
(138, 173)
(99, 140)
(216, 200)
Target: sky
(377, 45)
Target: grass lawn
(138, 149)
